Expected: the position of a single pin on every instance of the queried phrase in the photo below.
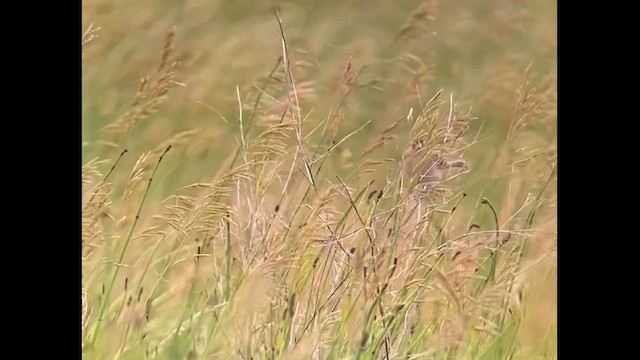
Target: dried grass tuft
(419, 21)
(153, 90)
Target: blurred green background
(477, 50)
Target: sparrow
(429, 172)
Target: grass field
(319, 179)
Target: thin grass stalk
(105, 298)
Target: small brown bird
(429, 172)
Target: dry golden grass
(319, 180)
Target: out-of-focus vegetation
(365, 179)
